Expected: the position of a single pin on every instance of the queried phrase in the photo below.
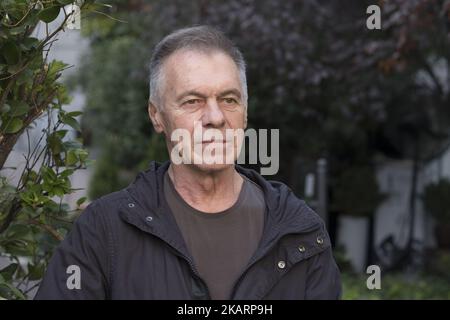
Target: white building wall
(392, 216)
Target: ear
(245, 120)
(155, 117)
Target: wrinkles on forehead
(199, 71)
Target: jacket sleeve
(78, 268)
(323, 277)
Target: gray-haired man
(196, 229)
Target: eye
(229, 100)
(192, 102)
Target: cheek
(182, 122)
(237, 119)
(186, 122)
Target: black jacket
(127, 246)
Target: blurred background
(364, 118)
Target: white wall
(392, 216)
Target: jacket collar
(147, 209)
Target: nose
(213, 115)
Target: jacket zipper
(193, 269)
(188, 260)
(251, 262)
(190, 263)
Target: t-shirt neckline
(207, 215)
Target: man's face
(200, 92)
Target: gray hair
(199, 38)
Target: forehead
(189, 69)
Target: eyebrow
(190, 93)
(233, 91)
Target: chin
(211, 168)
(205, 161)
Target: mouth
(214, 141)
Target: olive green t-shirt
(221, 243)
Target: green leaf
(14, 68)
(26, 76)
(36, 272)
(13, 126)
(81, 201)
(8, 271)
(55, 143)
(18, 30)
(83, 154)
(71, 122)
(61, 133)
(49, 14)
(5, 108)
(71, 158)
(19, 249)
(4, 292)
(18, 108)
(29, 43)
(20, 231)
(74, 113)
(66, 173)
(56, 66)
(14, 290)
(72, 144)
(48, 173)
(11, 52)
(57, 191)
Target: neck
(206, 191)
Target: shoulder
(103, 210)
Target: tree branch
(47, 228)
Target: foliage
(439, 263)
(314, 60)
(33, 216)
(396, 287)
(357, 192)
(436, 199)
(343, 262)
(106, 177)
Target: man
(196, 229)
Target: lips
(224, 142)
(214, 141)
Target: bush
(357, 192)
(396, 287)
(342, 260)
(33, 216)
(436, 200)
